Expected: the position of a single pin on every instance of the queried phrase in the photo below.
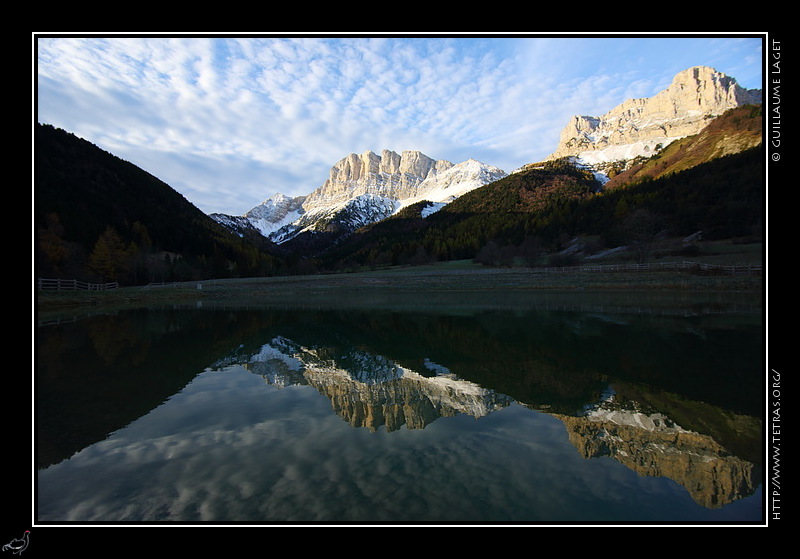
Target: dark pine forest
(100, 218)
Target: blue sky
(230, 120)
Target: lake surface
(531, 413)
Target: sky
(230, 120)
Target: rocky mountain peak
(390, 175)
(361, 189)
(642, 126)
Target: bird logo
(18, 545)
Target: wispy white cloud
(229, 121)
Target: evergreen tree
(110, 259)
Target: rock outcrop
(640, 127)
(391, 175)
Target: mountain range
(367, 188)
(363, 189)
(97, 216)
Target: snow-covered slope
(275, 212)
(459, 179)
(340, 217)
(267, 218)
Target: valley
(454, 284)
(652, 180)
(397, 330)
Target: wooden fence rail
(158, 284)
(73, 285)
(737, 269)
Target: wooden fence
(159, 284)
(696, 266)
(73, 285)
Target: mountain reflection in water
(666, 396)
(372, 391)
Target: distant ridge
(100, 218)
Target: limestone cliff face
(391, 175)
(640, 126)
(362, 189)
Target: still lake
(534, 411)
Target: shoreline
(424, 286)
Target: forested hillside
(531, 216)
(505, 211)
(99, 218)
(712, 184)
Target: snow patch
(432, 208)
(610, 154)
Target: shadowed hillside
(100, 218)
